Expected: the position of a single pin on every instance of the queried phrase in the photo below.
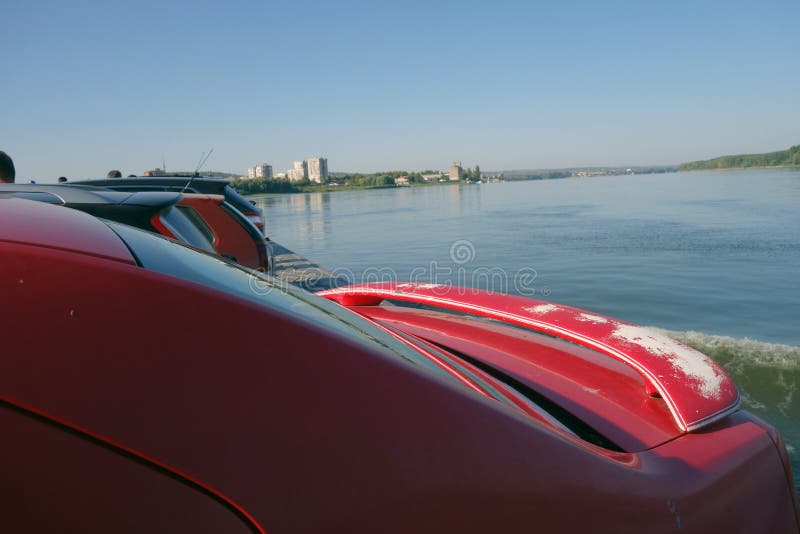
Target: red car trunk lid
(636, 386)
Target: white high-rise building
(299, 171)
(318, 170)
(261, 170)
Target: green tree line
(253, 186)
(536, 175)
(770, 159)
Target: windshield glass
(158, 254)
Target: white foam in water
(786, 403)
(750, 403)
(766, 374)
(740, 352)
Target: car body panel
(318, 431)
(696, 390)
(54, 228)
(60, 480)
(230, 229)
(607, 395)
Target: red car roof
(59, 227)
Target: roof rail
(696, 389)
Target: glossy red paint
(160, 227)
(462, 371)
(230, 237)
(605, 393)
(695, 389)
(315, 431)
(52, 227)
(101, 466)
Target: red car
(129, 404)
(229, 232)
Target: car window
(158, 254)
(185, 230)
(199, 222)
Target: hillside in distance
(781, 158)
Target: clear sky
(89, 86)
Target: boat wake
(741, 354)
(767, 375)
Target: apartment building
(318, 170)
(261, 170)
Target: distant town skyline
(373, 86)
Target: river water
(713, 258)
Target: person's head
(62, 179)
(7, 171)
(114, 174)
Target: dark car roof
(188, 184)
(85, 196)
(210, 186)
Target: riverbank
(333, 187)
(754, 168)
(258, 186)
(789, 158)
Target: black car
(187, 184)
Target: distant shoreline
(334, 188)
(388, 180)
(781, 158)
(754, 167)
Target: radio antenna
(202, 161)
(203, 158)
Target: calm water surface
(712, 257)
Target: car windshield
(158, 254)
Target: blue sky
(91, 86)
